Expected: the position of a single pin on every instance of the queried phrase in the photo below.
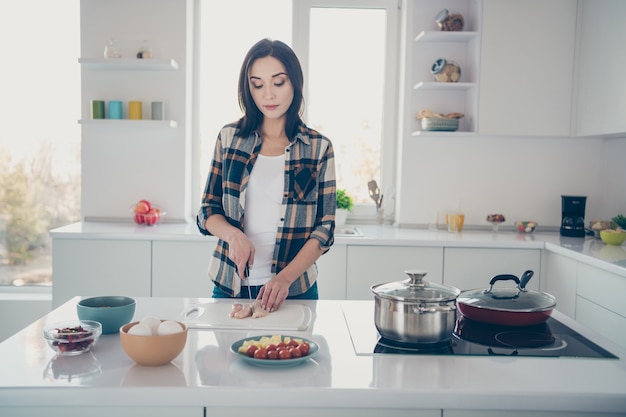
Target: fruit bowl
(74, 337)
(145, 213)
(495, 220)
(613, 237)
(526, 226)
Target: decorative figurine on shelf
(449, 22)
(112, 50)
(145, 51)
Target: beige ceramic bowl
(152, 350)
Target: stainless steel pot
(415, 311)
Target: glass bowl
(73, 337)
(151, 218)
(526, 226)
(495, 220)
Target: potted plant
(344, 205)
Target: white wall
(522, 177)
(122, 165)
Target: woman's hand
(273, 293)
(240, 249)
(241, 252)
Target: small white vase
(340, 217)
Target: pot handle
(441, 308)
(526, 276)
(503, 277)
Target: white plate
(275, 363)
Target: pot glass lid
(517, 298)
(416, 289)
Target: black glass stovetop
(549, 339)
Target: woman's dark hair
(252, 116)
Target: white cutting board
(295, 317)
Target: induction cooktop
(472, 338)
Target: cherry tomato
(292, 343)
(304, 348)
(281, 345)
(295, 352)
(284, 354)
(272, 354)
(260, 353)
(271, 347)
(251, 350)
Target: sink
(348, 231)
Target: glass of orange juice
(455, 222)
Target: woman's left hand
(273, 293)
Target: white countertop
(589, 250)
(207, 374)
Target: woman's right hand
(240, 251)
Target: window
(350, 77)
(226, 35)
(40, 144)
(351, 63)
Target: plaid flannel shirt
(308, 203)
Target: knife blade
(246, 274)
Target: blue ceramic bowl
(112, 311)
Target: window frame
(364, 212)
(300, 38)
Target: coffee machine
(573, 215)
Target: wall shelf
(424, 85)
(129, 123)
(132, 64)
(429, 133)
(435, 36)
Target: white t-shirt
(262, 213)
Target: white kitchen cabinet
(527, 64)
(180, 268)
(602, 287)
(74, 411)
(470, 268)
(90, 267)
(600, 302)
(560, 274)
(331, 279)
(522, 413)
(319, 411)
(369, 265)
(601, 90)
(603, 321)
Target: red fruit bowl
(146, 214)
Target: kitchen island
(207, 378)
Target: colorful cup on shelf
(158, 111)
(116, 109)
(134, 110)
(97, 109)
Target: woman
(270, 193)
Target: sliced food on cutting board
(212, 315)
